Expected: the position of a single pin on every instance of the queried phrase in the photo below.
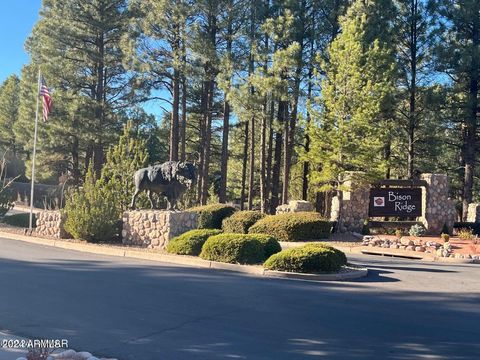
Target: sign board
(398, 202)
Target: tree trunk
(291, 127)
(268, 177)
(470, 139)
(183, 126)
(207, 150)
(174, 124)
(202, 125)
(263, 135)
(277, 157)
(412, 115)
(471, 127)
(210, 73)
(222, 190)
(244, 168)
(98, 151)
(251, 180)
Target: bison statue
(170, 179)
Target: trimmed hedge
(239, 248)
(310, 258)
(241, 221)
(211, 216)
(269, 243)
(298, 226)
(191, 242)
(342, 258)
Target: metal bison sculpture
(170, 179)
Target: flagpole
(32, 189)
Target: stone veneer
(438, 208)
(154, 228)
(350, 207)
(51, 223)
(473, 214)
(295, 206)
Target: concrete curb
(352, 275)
(417, 255)
(182, 260)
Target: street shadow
(375, 276)
(139, 310)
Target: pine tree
(9, 104)
(77, 44)
(123, 159)
(414, 44)
(157, 51)
(349, 131)
(459, 58)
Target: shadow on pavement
(146, 311)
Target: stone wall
(51, 223)
(295, 206)
(473, 214)
(350, 207)
(438, 208)
(154, 228)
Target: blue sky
(17, 18)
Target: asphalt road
(140, 310)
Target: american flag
(46, 99)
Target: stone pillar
(154, 228)
(438, 208)
(51, 223)
(350, 208)
(473, 214)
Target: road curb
(352, 275)
(416, 255)
(256, 270)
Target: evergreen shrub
(235, 248)
(191, 242)
(241, 221)
(91, 211)
(298, 226)
(211, 216)
(311, 258)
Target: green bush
(241, 221)
(20, 220)
(417, 230)
(211, 216)
(310, 258)
(234, 248)
(91, 211)
(341, 257)
(191, 242)
(269, 243)
(299, 226)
